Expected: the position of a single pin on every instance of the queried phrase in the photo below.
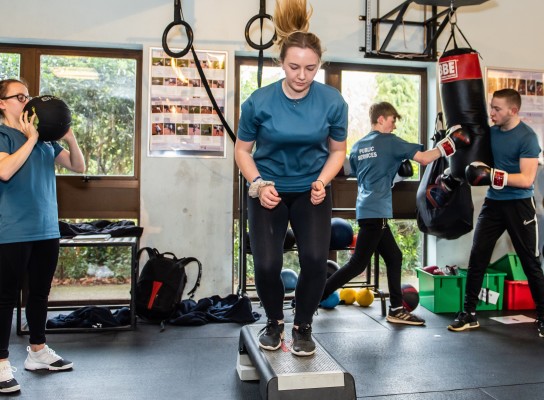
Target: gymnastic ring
(256, 46)
(189, 32)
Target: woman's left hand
(318, 193)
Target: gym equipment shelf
(128, 241)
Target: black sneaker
(540, 326)
(463, 321)
(303, 344)
(402, 316)
(271, 335)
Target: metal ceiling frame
(432, 26)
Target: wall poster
(183, 121)
(529, 85)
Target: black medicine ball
(53, 117)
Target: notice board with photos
(183, 122)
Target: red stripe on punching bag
(154, 292)
(459, 67)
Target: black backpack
(161, 284)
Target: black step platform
(284, 376)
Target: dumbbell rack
(371, 281)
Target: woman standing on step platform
(29, 228)
(299, 129)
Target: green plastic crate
(441, 293)
(493, 280)
(511, 265)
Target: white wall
(187, 203)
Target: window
(103, 89)
(10, 65)
(361, 85)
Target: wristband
(257, 178)
(255, 187)
(499, 179)
(319, 180)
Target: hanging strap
(453, 27)
(438, 132)
(178, 20)
(210, 95)
(261, 16)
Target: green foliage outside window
(101, 93)
(9, 65)
(77, 263)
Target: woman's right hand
(27, 126)
(268, 197)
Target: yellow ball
(365, 297)
(348, 295)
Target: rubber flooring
(388, 361)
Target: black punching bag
(463, 102)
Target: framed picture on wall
(182, 119)
(529, 85)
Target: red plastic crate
(517, 296)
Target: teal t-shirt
(291, 136)
(28, 201)
(508, 148)
(376, 159)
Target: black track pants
(38, 260)
(312, 228)
(518, 218)
(374, 235)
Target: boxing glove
(455, 138)
(447, 182)
(405, 171)
(480, 174)
(439, 194)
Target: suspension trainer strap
(210, 95)
(261, 16)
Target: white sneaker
(8, 384)
(46, 358)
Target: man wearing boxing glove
(509, 205)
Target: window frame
(84, 196)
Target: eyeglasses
(21, 97)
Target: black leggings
(374, 235)
(518, 218)
(312, 228)
(39, 260)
